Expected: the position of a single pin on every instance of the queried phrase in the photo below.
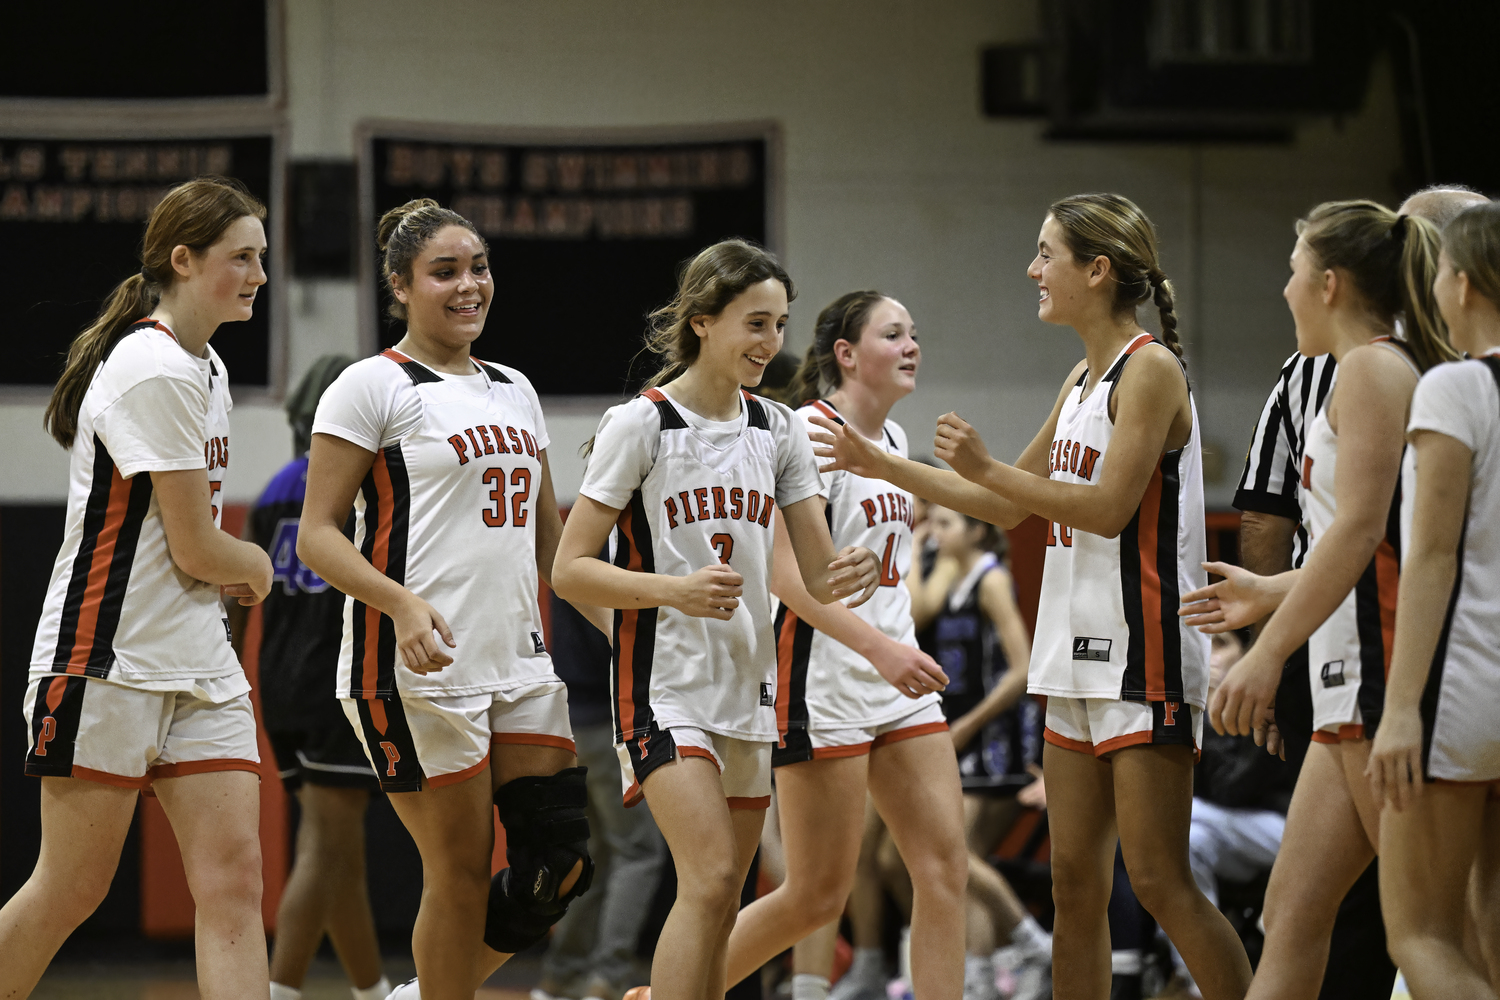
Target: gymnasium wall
(891, 178)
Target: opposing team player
(1116, 471)
(133, 684)
(1435, 762)
(855, 698)
(693, 474)
(1356, 267)
(444, 459)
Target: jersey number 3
(725, 544)
(520, 478)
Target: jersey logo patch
(536, 640)
(1333, 674)
(767, 697)
(1086, 648)
(228, 633)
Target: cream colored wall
(892, 179)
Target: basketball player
(444, 459)
(856, 699)
(1355, 267)
(1435, 762)
(691, 473)
(133, 684)
(1116, 471)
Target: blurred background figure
(592, 950)
(317, 753)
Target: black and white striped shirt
(1273, 464)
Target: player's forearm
(324, 549)
(1098, 510)
(588, 580)
(1331, 571)
(1266, 542)
(1426, 583)
(833, 619)
(949, 489)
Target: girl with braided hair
(1116, 471)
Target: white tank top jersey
(692, 492)
(1350, 653)
(1107, 624)
(118, 608)
(448, 511)
(1461, 703)
(821, 683)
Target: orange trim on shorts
(105, 778)
(830, 753)
(443, 780)
(633, 795)
(1355, 731)
(1059, 740)
(534, 740)
(908, 732)
(699, 752)
(748, 801)
(188, 767)
(1121, 742)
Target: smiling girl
(444, 459)
(855, 696)
(1116, 471)
(692, 475)
(133, 683)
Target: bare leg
(1427, 854)
(216, 818)
(821, 804)
(83, 828)
(705, 838)
(1081, 805)
(915, 785)
(1323, 851)
(327, 891)
(1484, 891)
(813, 955)
(1153, 809)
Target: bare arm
(909, 670)
(335, 468)
(1443, 474)
(1152, 402)
(198, 547)
(999, 606)
(1372, 396)
(549, 529)
(849, 450)
(828, 576)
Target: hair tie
(147, 277)
(1399, 227)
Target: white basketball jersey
(821, 683)
(117, 606)
(1350, 653)
(686, 501)
(448, 511)
(1107, 624)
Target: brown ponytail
(1113, 226)
(843, 319)
(712, 280)
(193, 214)
(1391, 261)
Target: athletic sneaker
(852, 988)
(979, 978)
(406, 991)
(1033, 978)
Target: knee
(1162, 887)
(230, 880)
(710, 887)
(943, 869)
(73, 898)
(1079, 888)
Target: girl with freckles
(1115, 470)
(691, 478)
(443, 672)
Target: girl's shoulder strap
(757, 410)
(671, 420)
(417, 372)
(1402, 350)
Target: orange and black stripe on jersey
(1375, 618)
(828, 410)
(113, 514)
(793, 648)
(1148, 578)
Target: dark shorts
(328, 755)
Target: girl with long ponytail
(133, 683)
(1357, 268)
(1116, 471)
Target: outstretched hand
(1239, 600)
(959, 444)
(849, 450)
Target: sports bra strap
(1402, 351)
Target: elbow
(563, 583)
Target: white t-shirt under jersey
(447, 511)
(117, 607)
(689, 496)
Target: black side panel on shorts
(383, 723)
(54, 726)
(649, 751)
(1176, 731)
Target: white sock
(408, 990)
(281, 991)
(868, 965)
(379, 991)
(806, 986)
(979, 976)
(1030, 938)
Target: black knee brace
(546, 834)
